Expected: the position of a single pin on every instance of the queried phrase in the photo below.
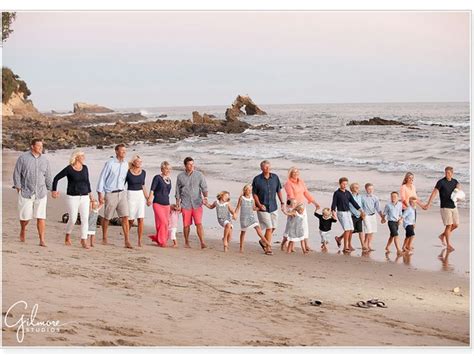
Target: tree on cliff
(7, 19)
(10, 81)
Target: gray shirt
(32, 175)
(190, 188)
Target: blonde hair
(74, 156)
(291, 170)
(164, 164)
(351, 187)
(407, 175)
(299, 206)
(132, 161)
(221, 194)
(326, 212)
(246, 186)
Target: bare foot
(84, 244)
(203, 246)
(450, 248)
(67, 241)
(226, 248)
(104, 241)
(352, 248)
(22, 236)
(399, 252)
(441, 237)
(175, 246)
(139, 244)
(187, 245)
(338, 241)
(43, 244)
(128, 244)
(387, 249)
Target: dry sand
(191, 297)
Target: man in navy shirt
(449, 211)
(266, 186)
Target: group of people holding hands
(121, 190)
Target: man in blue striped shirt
(111, 191)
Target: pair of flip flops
(315, 302)
(371, 303)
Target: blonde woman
(136, 195)
(78, 194)
(160, 199)
(295, 188)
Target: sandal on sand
(376, 303)
(362, 304)
(269, 253)
(315, 302)
(338, 241)
(262, 245)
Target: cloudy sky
(146, 59)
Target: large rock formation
(242, 101)
(204, 119)
(86, 108)
(376, 121)
(17, 105)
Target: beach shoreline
(193, 297)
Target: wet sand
(152, 296)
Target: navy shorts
(357, 224)
(393, 227)
(409, 231)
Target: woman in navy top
(159, 197)
(136, 194)
(78, 194)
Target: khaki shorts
(267, 220)
(450, 216)
(116, 202)
(31, 208)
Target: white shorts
(345, 219)
(172, 233)
(253, 226)
(91, 233)
(369, 224)
(224, 224)
(267, 220)
(136, 204)
(32, 208)
(325, 236)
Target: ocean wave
(443, 124)
(431, 170)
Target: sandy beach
(151, 296)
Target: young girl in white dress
(225, 214)
(290, 205)
(247, 207)
(296, 227)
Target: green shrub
(12, 83)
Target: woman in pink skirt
(159, 197)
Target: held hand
(262, 208)
(317, 206)
(204, 200)
(55, 194)
(102, 200)
(18, 190)
(234, 216)
(148, 202)
(334, 216)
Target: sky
(152, 59)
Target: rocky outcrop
(204, 119)
(86, 108)
(64, 132)
(242, 101)
(17, 105)
(376, 121)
